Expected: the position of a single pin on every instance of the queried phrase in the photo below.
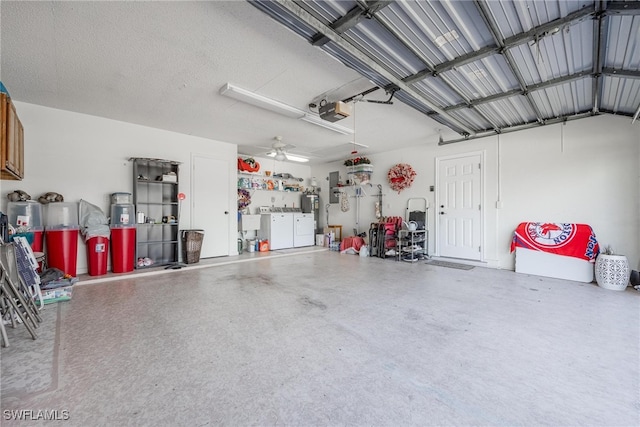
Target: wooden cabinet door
(12, 153)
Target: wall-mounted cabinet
(11, 141)
(155, 194)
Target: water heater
(310, 203)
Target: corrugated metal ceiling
(482, 67)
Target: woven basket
(191, 245)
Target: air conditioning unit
(334, 111)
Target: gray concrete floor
(319, 338)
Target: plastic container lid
(61, 215)
(25, 214)
(121, 198)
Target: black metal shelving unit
(155, 195)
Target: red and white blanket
(575, 240)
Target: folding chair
(16, 299)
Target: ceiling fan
(279, 150)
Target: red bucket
(97, 255)
(123, 249)
(62, 249)
(36, 245)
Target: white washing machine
(277, 227)
(304, 229)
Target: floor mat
(450, 265)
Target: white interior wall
(86, 157)
(585, 171)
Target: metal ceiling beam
(486, 100)
(548, 28)
(621, 73)
(495, 32)
(622, 8)
(600, 33)
(528, 89)
(428, 70)
(350, 20)
(557, 81)
(618, 113)
(556, 120)
(500, 46)
(466, 59)
(320, 27)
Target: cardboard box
(55, 295)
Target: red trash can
(123, 248)
(36, 246)
(62, 249)
(97, 251)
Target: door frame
(436, 222)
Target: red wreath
(401, 176)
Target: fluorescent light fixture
(257, 100)
(316, 120)
(288, 156)
(261, 101)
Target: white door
(210, 204)
(459, 211)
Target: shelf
(412, 245)
(266, 189)
(158, 241)
(148, 181)
(256, 181)
(256, 174)
(156, 203)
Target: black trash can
(191, 245)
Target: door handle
(442, 213)
(226, 212)
(442, 206)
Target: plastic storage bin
(192, 245)
(123, 215)
(97, 255)
(61, 215)
(27, 216)
(123, 248)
